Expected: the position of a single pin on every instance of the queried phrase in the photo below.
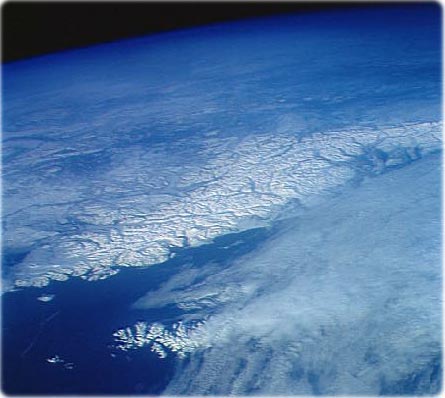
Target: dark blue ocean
(77, 325)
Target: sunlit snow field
(245, 208)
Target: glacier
(243, 183)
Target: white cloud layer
(345, 300)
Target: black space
(36, 28)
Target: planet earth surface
(242, 208)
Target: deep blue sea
(77, 325)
